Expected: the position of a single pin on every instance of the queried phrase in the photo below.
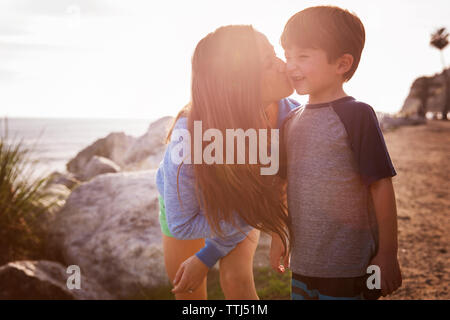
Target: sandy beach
(421, 155)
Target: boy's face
(275, 83)
(310, 71)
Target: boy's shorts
(310, 288)
(162, 218)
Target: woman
(237, 82)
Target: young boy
(340, 194)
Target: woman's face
(275, 84)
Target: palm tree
(439, 40)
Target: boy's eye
(301, 56)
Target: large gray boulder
(67, 179)
(127, 152)
(56, 193)
(148, 150)
(109, 227)
(98, 165)
(44, 280)
(113, 147)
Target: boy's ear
(344, 63)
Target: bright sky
(131, 59)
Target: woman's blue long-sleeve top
(186, 220)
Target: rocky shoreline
(106, 222)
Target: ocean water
(55, 141)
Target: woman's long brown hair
(226, 94)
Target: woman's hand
(190, 275)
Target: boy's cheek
(290, 68)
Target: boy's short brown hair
(332, 29)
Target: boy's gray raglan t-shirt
(334, 151)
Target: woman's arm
(185, 220)
(193, 270)
(184, 217)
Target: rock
(56, 194)
(131, 154)
(98, 165)
(389, 122)
(411, 105)
(148, 150)
(151, 162)
(66, 179)
(113, 147)
(53, 199)
(44, 280)
(427, 93)
(109, 227)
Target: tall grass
(23, 200)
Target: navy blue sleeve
(366, 141)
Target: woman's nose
(290, 67)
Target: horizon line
(77, 118)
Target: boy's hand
(190, 275)
(277, 253)
(383, 196)
(391, 276)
